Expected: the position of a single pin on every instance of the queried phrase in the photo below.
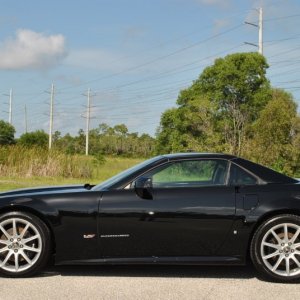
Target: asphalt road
(146, 282)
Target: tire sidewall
(45, 240)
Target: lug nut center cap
(15, 245)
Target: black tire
(44, 242)
(284, 253)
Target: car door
(190, 214)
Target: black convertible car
(193, 208)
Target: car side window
(238, 176)
(190, 173)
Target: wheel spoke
(24, 230)
(286, 235)
(16, 261)
(9, 254)
(271, 255)
(37, 250)
(296, 261)
(25, 241)
(5, 232)
(297, 245)
(271, 245)
(14, 227)
(3, 242)
(287, 265)
(278, 239)
(277, 263)
(26, 257)
(293, 239)
(4, 249)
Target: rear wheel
(275, 248)
(24, 244)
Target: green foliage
(232, 108)
(7, 133)
(106, 140)
(186, 171)
(238, 81)
(37, 138)
(276, 134)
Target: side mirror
(143, 188)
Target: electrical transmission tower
(87, 115)
(260, 44)
(10, 95)
(25, 119)
(51, 115)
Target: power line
(272, 42)
(282, 17)
(285, 52)
(159, 58)
(172, 71)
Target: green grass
(112, 166)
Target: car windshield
(111, 181)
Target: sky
(135, 55)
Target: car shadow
(165, 271)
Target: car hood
(45, 190)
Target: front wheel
(24, 244)
(275, 248)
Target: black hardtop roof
(198, 155)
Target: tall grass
(18, 161)
(24, 167)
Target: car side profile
(186, 208)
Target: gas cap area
(250, 201)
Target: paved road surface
(146, 282)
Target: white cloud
(31, 50)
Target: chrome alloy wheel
(20, 245)
(280, 249)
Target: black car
(192, 208)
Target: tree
(107, 140)
(36, 138)
(215, 112)
(7, 133)
(276, 134)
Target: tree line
(103, 140)
(231, 107)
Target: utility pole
(88, 116)
(25, 119)
(260, 32)
(51, 116)
(10, 106)
(10, 95)
(260, 44)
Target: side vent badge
(89, 236)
